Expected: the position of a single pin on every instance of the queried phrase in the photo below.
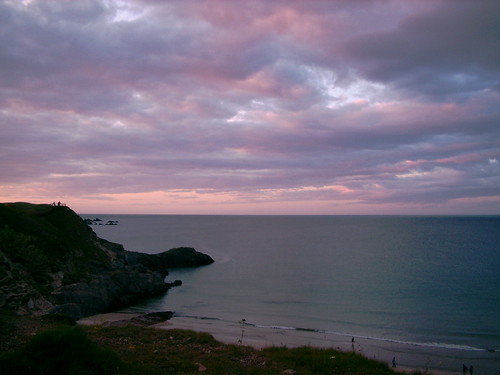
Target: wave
(381, 339)
(436, 345)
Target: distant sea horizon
(107, 214)
(430, 280)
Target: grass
(66, 349)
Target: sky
(316, 107)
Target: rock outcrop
(50, 260)
(175, 258)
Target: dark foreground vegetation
(61, 347)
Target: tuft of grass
(308, 360)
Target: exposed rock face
(17, 290)
(109, 291)
(50, 260)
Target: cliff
(51, 261)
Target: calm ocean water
(425, 280)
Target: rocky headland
(51, 261)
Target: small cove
(426, 281)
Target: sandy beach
(409, 359)
(438, 361)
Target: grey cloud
(449, 51)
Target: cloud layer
(373, 106)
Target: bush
(62, 351)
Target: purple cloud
(369, 106)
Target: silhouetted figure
(464, 369)
(471, 370)
(393, 361)
(58, 204)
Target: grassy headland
(51, 260)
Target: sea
(429, 281)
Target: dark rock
(177, 283)
(71, 310)
(174, 283)
(111, 291)
(181, 257)
(144, 320)
(92, 221)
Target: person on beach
(393, 361)
(464, 369)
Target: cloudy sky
(251, 107)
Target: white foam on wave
(220, 257)
(285, 328)
(383, 339)
(423, 344)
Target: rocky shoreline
(52, 262)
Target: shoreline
(409, 358)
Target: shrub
(62, 351)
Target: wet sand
(438, 361)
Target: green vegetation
(39, 245)
(42, 237)
(64, 350)
(20, 248)
(67, 349)
(55, 232)
(327, 361)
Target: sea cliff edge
(51, 261)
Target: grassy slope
(37, 242)
(55, 234)
(184, 352)
(139, 350)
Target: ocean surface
(424, 280)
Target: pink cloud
(250, 106)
